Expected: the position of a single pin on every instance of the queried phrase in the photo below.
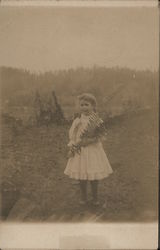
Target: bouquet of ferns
(94, 130)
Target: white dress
(92, 162)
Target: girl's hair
(89, 98)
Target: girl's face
(85, 107)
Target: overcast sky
(43, 38)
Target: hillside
(113, 87)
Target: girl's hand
(71, 144)
(70, 154)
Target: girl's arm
(73, 128)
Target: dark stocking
(94, 188)
(83, 187)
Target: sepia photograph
(79, 114)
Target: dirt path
(36, 164)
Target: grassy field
(34, 187)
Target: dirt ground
(34, 187)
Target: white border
(82, 3)
(48, 236)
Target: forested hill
(110, 85)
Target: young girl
(87, 159)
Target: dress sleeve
(72, 129)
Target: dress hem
(85, 176)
